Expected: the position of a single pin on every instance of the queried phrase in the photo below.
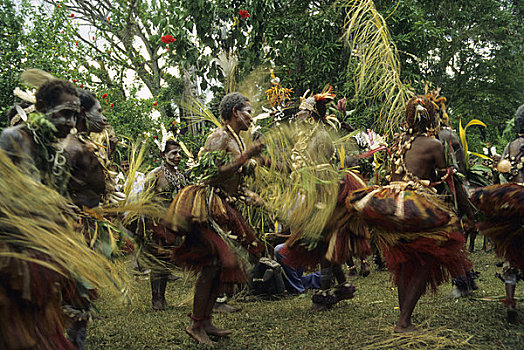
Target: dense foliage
(131, 49)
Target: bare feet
(213, 330)
(198, 333)
(405, 328)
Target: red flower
(75, 80)
(72, 15)
(62, 32)
(93, 37)
(166, 39)
(108, 51)
(58, 6)
(106, 101)
(174, 123)
(112, 105)
(81, 86)
(244, 14)
(155, 137)
(155, 103)
(104, 96)
(154, 160)
(76, 42)
(109, 19)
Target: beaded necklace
(176, 179)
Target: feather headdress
(317, 105)
(166, 135)
(439, 103)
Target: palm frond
(377, 75)
(199, 112)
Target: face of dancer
(96, 120)
(243, 116)
(65, 119)
(303, 114)
(172, 155)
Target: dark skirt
(413, 229)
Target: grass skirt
(503, 209)
(413, 229)
(342, 238)
(30, 303)
(214, 232)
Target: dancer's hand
(254, 149)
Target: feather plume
(26, 95)
(36, 77)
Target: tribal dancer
(167, 181)
(43, 262)
(419, 237)
(503, 214)
(457, 197)
(341, 238)
(213, 230)
(33, 146)
(88, 186)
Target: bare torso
(423, 159)
(87, 183)
(222, 139)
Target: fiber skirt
(414, 230)
(503, 209)
(343, 237)
(30, 302)
(213, 231)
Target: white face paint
(173, 156)
(244, 116)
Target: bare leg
(324, 299)
(351, 266)
(344, 290)
(201, 300)
(401, 287)
(208, 326)
(413, 292)
(510, 277)
(158, 289)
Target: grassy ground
(365, 322)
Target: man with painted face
(166, 180)
(205, 215)
(33, 145)
(87, 183)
